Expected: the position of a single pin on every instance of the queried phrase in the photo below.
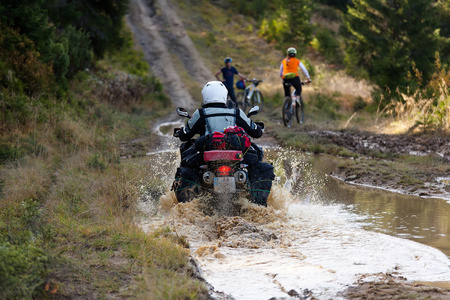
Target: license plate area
(224, 185)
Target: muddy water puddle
(424, 220)
(317, 237)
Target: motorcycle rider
(214, 116)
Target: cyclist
(289, 74)
(228, 73)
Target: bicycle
(251, 96)
(291, 104)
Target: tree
(395, 40)
(289, 22)
(101, 19)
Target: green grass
(68, 202)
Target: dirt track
(163, 38)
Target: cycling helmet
(214, 92)
(228, 59)
(291, 51)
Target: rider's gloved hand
(176, 132)
(308, 81)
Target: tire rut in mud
(161, 34)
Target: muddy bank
(392, 286)
(387, 145)
(409, 164)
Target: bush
(22, 69)
(326, 42)
(359, 104)
(125, 90)
(325, 104)
(96, 162)
(22, 270)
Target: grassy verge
(68, 202)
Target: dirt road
(164, 41)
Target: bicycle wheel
(287, 113)
(258, 99)
(240, 99)
(246, 102)
(299, 111)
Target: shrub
(359, 104)
(96, 162)
(22, 270)
(22, 69)
(326, 42)
(325, 104)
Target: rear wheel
(258, 99)
(246, 102)
(299, 111)
(240, 99)
(287, 113)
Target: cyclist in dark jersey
(228, 73)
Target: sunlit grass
(68, 216)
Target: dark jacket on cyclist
(228, 73)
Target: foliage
(41, 37)
(256, 8)
(30, 19)
(326, 42)
(23, 261)
(21, 67)
(101, 20)
(76, 53)
(326, 105)
(428, 108)
(22, 269)
(340, 4)
(394, 40)
(289, 23)
(78, 216)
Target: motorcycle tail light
(224, 170)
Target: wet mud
(392, 286)
(296, 251)
(366, 143)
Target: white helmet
(214, 92)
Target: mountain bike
(251, 96)
(293, 104)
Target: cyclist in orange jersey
(288, 72)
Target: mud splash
(296, 247)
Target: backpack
(240, 85)
(242, 137)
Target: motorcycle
(223, 175)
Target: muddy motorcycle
(223, 175)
